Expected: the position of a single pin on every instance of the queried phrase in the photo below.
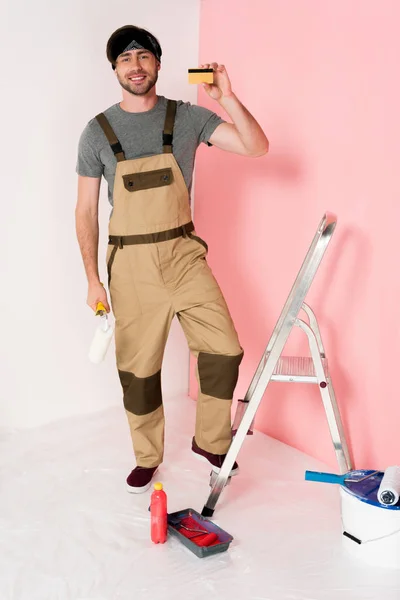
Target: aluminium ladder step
(297, 369)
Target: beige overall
(157, 269)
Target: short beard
(151, 82)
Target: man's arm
(87, 231)
(243, 136)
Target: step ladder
(274, 366)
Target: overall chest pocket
(146, 180)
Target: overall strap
(112, 138)
(169, 126)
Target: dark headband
(134, 45)
(132, 38)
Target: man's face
(137, 71)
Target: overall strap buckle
(111, 137)
(116, 240)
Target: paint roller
(389, 489)
(102, 337)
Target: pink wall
(322, 79)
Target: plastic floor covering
(69, 530)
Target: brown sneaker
(215, 460)
(140, 479)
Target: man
(145, 147)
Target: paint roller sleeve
(389, 489)
(101, 341)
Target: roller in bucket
(389, 489)
(102, 337)
(370, 527)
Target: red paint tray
(193, 520)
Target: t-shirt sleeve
(204, 121)
(88, 162)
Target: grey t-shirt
(140, 134)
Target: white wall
(55, 77)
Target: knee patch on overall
(218, 374)
(142, 395)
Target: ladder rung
(298, 369)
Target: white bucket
(376, 527)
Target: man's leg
(140, 345)
(213, 339)
(143, 316)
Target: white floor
(70, 531)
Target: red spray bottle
(158, 514)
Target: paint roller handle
(324, 477)
(100, 309)
(97, 295)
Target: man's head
(135, 56)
